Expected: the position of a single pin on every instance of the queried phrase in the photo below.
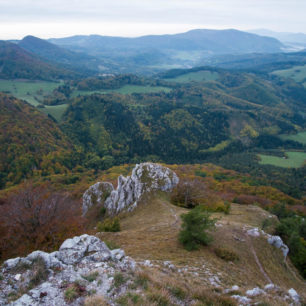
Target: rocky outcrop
(43, 278)
(275, 241)
(96, 194)
(145, 178)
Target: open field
(299, 137)
(297, 73)
(199, 76)
(293, 160)
(56, 111)
(30, 91)
(151, 233)
(126, 89)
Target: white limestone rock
(146, 177)
(11, 263)
(255, 292)
(270, 287)
(96, 195)
(50, 259)
(254, 232)
(277, 242)
(77, 257)
(242, 300)
(294, 295)
(117, 254)
(73, 250)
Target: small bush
(129, 299)
(118, 280)
(71, 293)
(194, 226)
(91, 277)
(226, 255)
(109, 225)
(39, 272)
(111, 244)
(74, 291)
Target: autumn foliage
(37, 218)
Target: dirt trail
(265, 275)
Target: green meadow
(30, 91)
(292, 160)
(297, 73)
(299, 137)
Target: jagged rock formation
(146, 177)
(96, 194)
(47, 276)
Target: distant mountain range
(297, 39)
(210, 41)
(77, 56)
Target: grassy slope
(150, 232)
(298, 73)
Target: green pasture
(292, 160)
(31, 91)
(56, 111)
(297, 73)
(299, 137)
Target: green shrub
(194, 227)
(109, 225)
(39, 272)
(226, 255)
(118, 280)
(71, 294)
(111, 244)
(91, 277)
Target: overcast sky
(59, 18)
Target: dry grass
(151, 231)
(96, 300)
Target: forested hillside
(31, 144)
(16, 63)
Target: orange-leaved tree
(37, 218)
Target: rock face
(76, 259)
(96, 194)
(146, 177)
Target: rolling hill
(17, 63)
(53, 53)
